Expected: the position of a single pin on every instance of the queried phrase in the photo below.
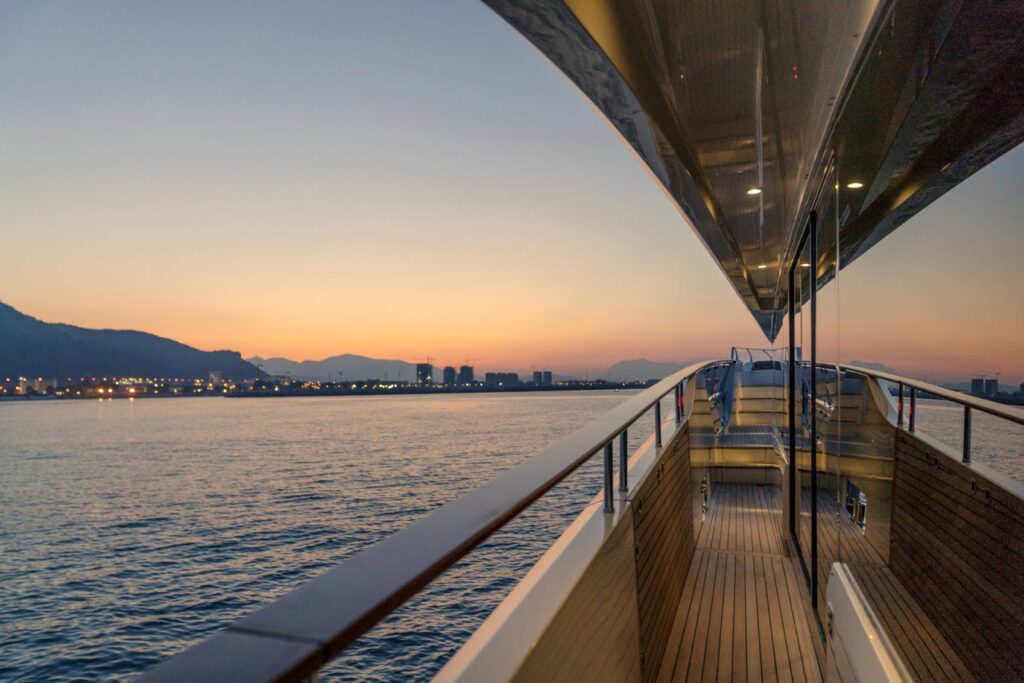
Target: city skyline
(338, 365)
(269, 195)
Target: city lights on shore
(110, 388)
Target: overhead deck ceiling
(796, 99)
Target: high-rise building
(991, 387)
(501, 380)
(546, 379)
(538, 377)
(449, 376)
(978, 386)
(424, 374)
(466, 374)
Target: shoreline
(398, 391)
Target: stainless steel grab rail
(990, 407)
(966, 400)
(289, 639)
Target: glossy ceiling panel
(741, 109)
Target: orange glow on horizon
(394, 199)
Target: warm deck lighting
(855, 185)
(754, 190)
(762, 267)
(805, 265)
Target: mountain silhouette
(871, 365)
(640, 369)
(32, 348)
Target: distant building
(1022, 388)
(424, 374)
(978, 386)
(36, 385)
(449, 376)
(466, 374)
(546, 378)
(538, 378)
(991, 387)
(501, 380)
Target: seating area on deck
(745, 613)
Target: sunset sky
(398, 179)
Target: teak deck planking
(744, 613)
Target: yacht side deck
(744, 614)
(698, 560)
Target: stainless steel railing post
(967, 434)
(899, 408)
(913, 406)
(609, 499)
(657, 423)
(623, 461)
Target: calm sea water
(994, 442)
(129, 530)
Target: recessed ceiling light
(855, 185)
(762, 267)
(805, 265)
(754, 190)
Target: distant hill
(346, 366)
(873, 366)
(639, 370)
(33, 348)
(964, 385)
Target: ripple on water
(117, 553)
